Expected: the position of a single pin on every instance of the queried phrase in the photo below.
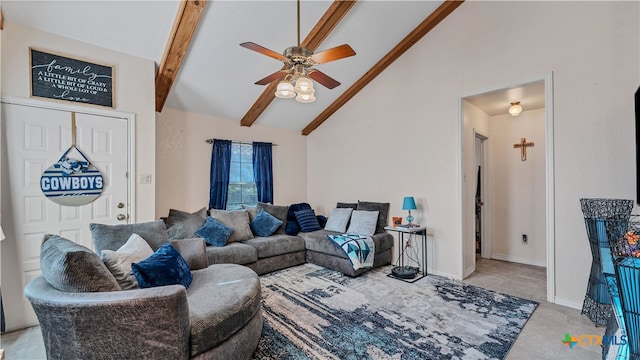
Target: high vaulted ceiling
(217, 76)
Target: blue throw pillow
(292, 227)
(307, 220)
(265, 224)
(215, 232)
(165, 267)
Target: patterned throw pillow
(214, 232)
(363, 222)
(119, 262)
(307, 220)
(338, 220)
(165, 267)
(265, 224)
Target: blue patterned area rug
(314, 313)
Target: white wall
(134, 91)
(400, 135)
(518, 196)
(474, 119)
(184, 159)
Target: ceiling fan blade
(276, 75)
(323, 79)
(332, 54)
(263, 50)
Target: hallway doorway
(507, 189)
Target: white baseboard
(568, 303)
(443, 274)
(469, 271)
(520, 260)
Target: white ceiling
(217, 76)
(530, 96)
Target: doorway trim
(485, 225)
(549, 176)
(131, 130)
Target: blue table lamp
(409, 203)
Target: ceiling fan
(299, 62)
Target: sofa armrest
(134, 324)
(193, 251)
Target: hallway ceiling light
(515, 109)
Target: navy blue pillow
(165, 267)
(292, 227)
(265, 224)
(307, 220)
(214, 232)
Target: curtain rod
(210, 141)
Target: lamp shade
(285, 90)
(409, 203)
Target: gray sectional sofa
(84, 312)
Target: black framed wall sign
(59, 77)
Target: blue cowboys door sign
(72, 182)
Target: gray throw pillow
(338, 220)
(252, 210)
(111, 237)
(342, 205)
(183, 225)
(119, 262)
(238, 220)
(280, 213)
(381, 208)
(71, 267)
(363, 222)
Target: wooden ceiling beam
(331, 18)
(184, 26)
(414, 36)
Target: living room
(401, 135)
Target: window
(242, 186)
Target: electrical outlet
(145, 179)
(524, 238)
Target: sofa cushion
(183, 225)
(111, 237)
(222, 299)
(317, 241)
(265, 224)
(307, 220)
(165, 267)
(338, 220)
(363, 222)
(214, 232)
(341, 205)
(233, 253)
(276, 244)
(381, 208)
(193, 251)
(71, 267)
(280, 212)
(119, 262)
(236, 219)
(292, 227)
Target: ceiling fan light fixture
(305, 98)
(515, 109)
(303, 85)
(285, 90)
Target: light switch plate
(145, 179)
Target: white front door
(33, 139)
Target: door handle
(121, 217)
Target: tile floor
(540, 339)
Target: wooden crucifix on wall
(523, 145)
